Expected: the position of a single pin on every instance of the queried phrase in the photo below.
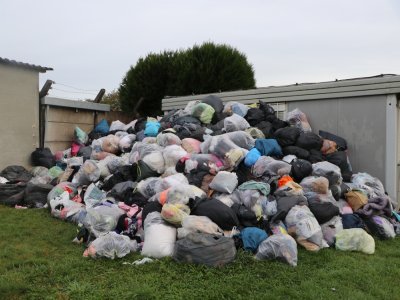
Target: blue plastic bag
(251, 157)
(268, 147)
(102, 127)
(151, 128)
(252, 237)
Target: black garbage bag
(12, 194)
(294, 150)
(167, 121)
(85, 152)
(184, 120)
(339, 158)
(123, 190)
(150, 207)
(323, 211)
(254, 116)
(287, 136)
(309, 140)
(247, 218)
(266, 128)
(140, 125)
(215, 102)
(285, 203)
(340, 142)
(43, 157)
(217, 117)
(266, 108)
(217, 211)
(35, 195)
(315, 156)
(276, 123)
(300, 169)
(16, 174)
(243, 173)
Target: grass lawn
(38, 260)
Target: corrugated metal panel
(326, 90)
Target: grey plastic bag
(224, 182)
(206, 249)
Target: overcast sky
(92, 43)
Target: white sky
(92, 43)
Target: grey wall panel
(360, 120)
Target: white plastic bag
(159, 237)
(117, 125)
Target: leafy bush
(208, 68)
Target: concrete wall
(19, 115)
(360, 120)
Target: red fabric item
(75, 148)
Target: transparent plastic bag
(206, 162)
(176, 179)
(371, 185)
(159, 237)
(299, 119)
(268, 166)
(110, 144)
(63, 208)
(111, 245)
(102, 165)
(93, 195)
(280, 246)
(117, 125)
(151, 186)
(331, 228)
(198, 224)
(155, 161)
(224, 182)
(114, 163)
(126, 142)
(175, 213)
(304, 226)
(166, 139)
(329, 171)
(103, 218)
(88, 173)
(179, 194)
(235, 123)
(319, 185)
(172, 154)
(191, 145)
(61, 188)
(355, 239)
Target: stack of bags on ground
(201, 182)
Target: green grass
(38, 261)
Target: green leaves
(208, 68)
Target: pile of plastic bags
(202, 182)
